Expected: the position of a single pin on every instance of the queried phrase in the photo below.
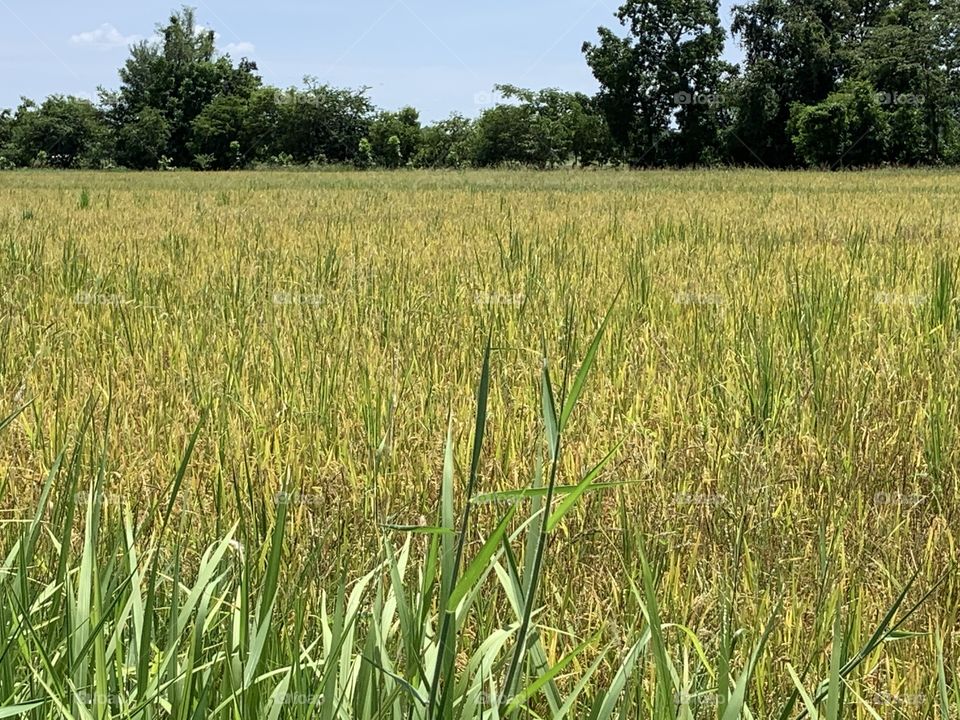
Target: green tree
(6, 131)
(67, 132)
(447, 144)
(820, 132)
(543, 128)
(796, 52)
(662, 79)
(908, 142)
(912, 56)
(261, 137)
(217, 129)
(321, 123)
(403, 125)
(178, 76)
(143, 140)
(591, 141)
(849, 128)
(564, 126)
(506, 133)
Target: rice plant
(666, 445)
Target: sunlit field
(259, 463)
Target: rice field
(482, 444)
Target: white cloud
(238, 49)
(106, 36)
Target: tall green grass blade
(571, 498)
(581, 379)
(835, 691)
(480, 564)
(612, 696)
(808, 702)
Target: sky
(438, 56)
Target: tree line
(823, 83)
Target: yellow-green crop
(245, 479)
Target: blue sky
(438, 56)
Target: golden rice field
(778, 380)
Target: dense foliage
(824, 83)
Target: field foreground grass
(410, 445)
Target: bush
(204, 161)
(364, 157)
(848, 128)
(62, 132)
